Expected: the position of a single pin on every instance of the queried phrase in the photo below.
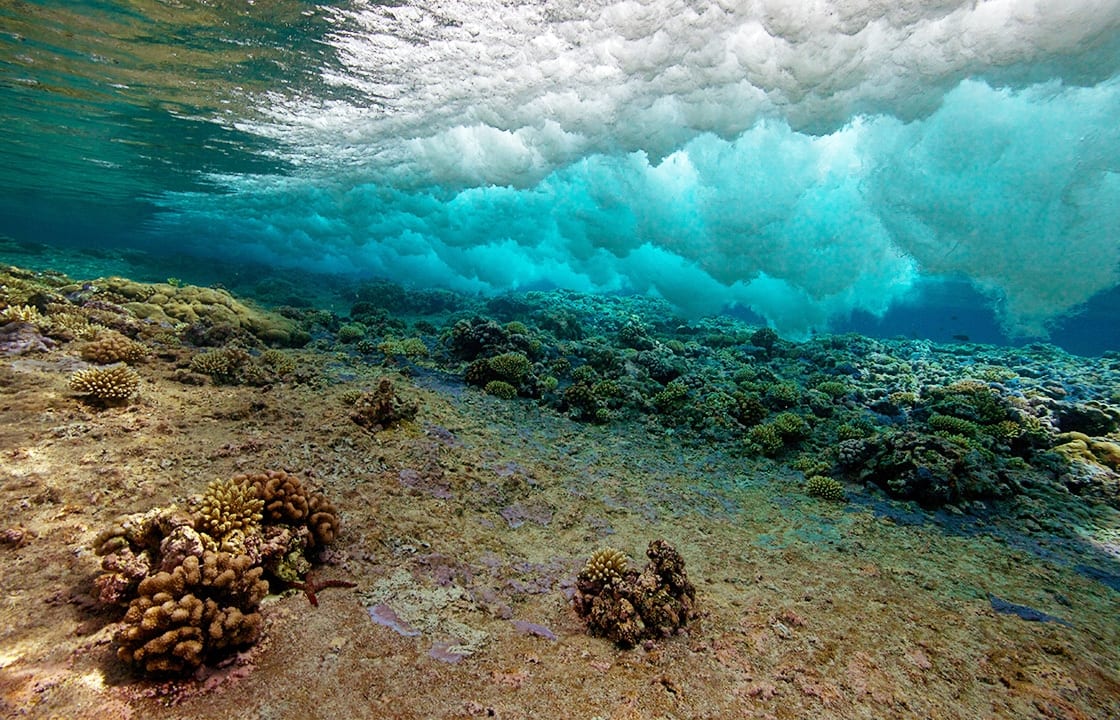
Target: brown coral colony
(193, 583)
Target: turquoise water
(933, 169)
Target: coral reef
(382, 408)
(626, 606)
(171, 305)
(114, 384)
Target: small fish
(961, 338)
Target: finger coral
(192, 583)
(286, 500)
(180, 618)
(112, 384)
(825, 487)
(605, 566)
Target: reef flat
(874, 528)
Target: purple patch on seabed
(382, 614)
(443, 653)
(518, 513)
(531, 628)
(415, 480)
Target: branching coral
(286, 500)
(203, 606)
(191, 601)
(825, 487)
(229, 505)
(113, 384)
(606, 566)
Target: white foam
(805, 158)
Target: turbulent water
(946, 167)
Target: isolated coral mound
(112, 384)
(825, 488)
(382, 408)
(193, 581)
(627, 607)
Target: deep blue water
(947, 170)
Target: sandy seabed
(471, 523)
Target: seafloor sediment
(958, 560)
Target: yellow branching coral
(229, 505)
(825, 487)
(605, 566)
(20, 313)
(116, 383)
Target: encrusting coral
(112, 384)
(626, 606)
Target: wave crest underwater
(805, 160)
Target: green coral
(500, 389)
(825, 487)
(766, 439)
(783, 394)
(672, 397)
(952, 425)
(834, 388)
(407, 347)
(512, 367)
(351, 332)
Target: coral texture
(111, 347)
(193, 583)
(202, 607)
(229, 505)
(286, 500)
(825, 487)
